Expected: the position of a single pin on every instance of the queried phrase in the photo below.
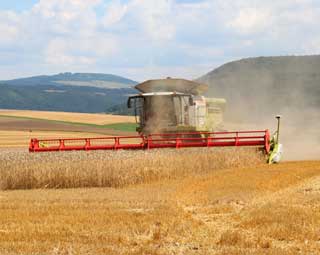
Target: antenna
(278, 117)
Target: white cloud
(57, 53)
(71, 30)
(155, 18)
(79, 51)
(251, 20)
(181, 39)
(150, 19)
(312, 46)
(115, 12)
(67, 9)
(102, 45)
(66, 16)
(9, 27)
(202, 51)
(151, 71)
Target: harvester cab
(174, 106)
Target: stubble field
(89, 118)
(12, 138)
(17, 127)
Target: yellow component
(215, 108)
(43, 145)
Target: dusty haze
(257, 89)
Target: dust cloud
(301, 140)
(257, 90)
(299, 127)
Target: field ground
(88, 118)
(255, 210)
(34, 123)
(17, 127)
(192, 201)
(10, 138)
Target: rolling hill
(98, 80)
(258, 87)
(79, 92)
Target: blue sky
(143, 39)
(17, 5)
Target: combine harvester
(172, 113)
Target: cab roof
(172, 85)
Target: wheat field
(22, 170)
(224, 206)
(89, 118)
(157, 202)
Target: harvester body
(181, 109)
(172, 113)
